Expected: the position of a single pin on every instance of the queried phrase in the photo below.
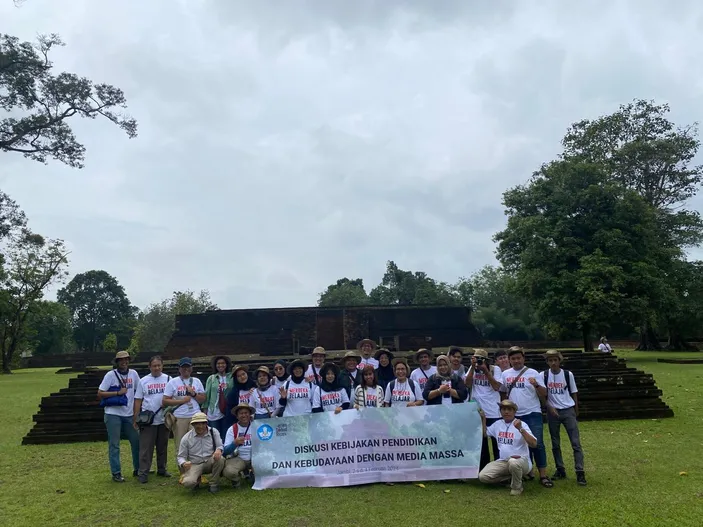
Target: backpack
(566, 379)
(391, 385)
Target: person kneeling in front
(238, 445)
(200, 452)
(514, 442)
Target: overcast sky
(284, 145)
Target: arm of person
(137, 409)
(483, 422)
(419, 401)
(200, 395)
(492, 380)
(538, 384)
(174, 401)
(208, 386)
(526, 433)
(229, 445)
(459, 390)
(182, 457)
(431, 391)
(106, 383)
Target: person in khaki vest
(200, 452)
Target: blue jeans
(119, 427)
(534, 421)
(220, 426)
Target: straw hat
(244, 406)
(198, 417)
(365, 341)
(121, 355)
(319, 351)
(507, 403)
(421, 351)
(554, 353)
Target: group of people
(211, 423)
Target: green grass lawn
(633, 471)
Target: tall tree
(344, 293)
(49, 330)
(158, 321)
(399, 287)
(98, 305)
(39, 103)
(640, 148)
(583, 248)
(30, 265)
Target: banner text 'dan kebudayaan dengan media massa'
(367, 446)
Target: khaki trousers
(179, 430)
(191, 477)
(234, 467)
(503, 469)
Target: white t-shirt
(402, 394)
(129, 381)
(266, 399)
(152, 394)
(523, 393)
(216, 415)
(244, 450)
(300, 398)
(367, 362)
(557, 394)
(330, 401)
(245, 397)
(372, 397)
(176, 388)
(421, 376)
(483, 393)
(510, 440)
(313, 377)
(605, 348)
(278, 383)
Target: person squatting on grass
(563, 409)
(238, 446)
(514, 442)
(200, 452)
(117, 393)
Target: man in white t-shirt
(367, 348)
(312, 374)
(117, 392)
(423, 373)
(525, 387)
(186, 393)
(563, 409)
(604, 347)
(514, 442)
(483, 380)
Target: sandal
(546, 482)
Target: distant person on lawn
(514, 442)
(200, 452)
(563, 409)
(156, 434)
(186, 393)
(604, 347)
(367, 347)
(216, 388)
(525, 387)
(117, 392)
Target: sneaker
(164, 474)
(143, 478)
(117, 477)
(559, 474)
(581, 478)
(515, 492)
(214, 489)
(135, 473)
(236, 484)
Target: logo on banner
(265, 432)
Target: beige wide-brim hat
(238, 367)
(480, 353)
(400, 360)
(199, 417)
(554, 353)
(507, 403)
(121, 355)
(423, 351)
(365, 341)
(242, 406)
(515, 350)
(318, 351)
(352, 355)
(382, 351)
(263, 369)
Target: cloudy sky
(283, 145)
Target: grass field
(633, 468)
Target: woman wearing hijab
(216, 393)
(369, 394)
(297, 394)
(331, 395)
(444, 387)
(384, 371)
(280, 375)
(240, 393)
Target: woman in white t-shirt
(604, 347)
(369, 394)
(403, 391)
(280, 373)
(216, 389)
(331, 395)
(296, 396)
(117, 392)
(265, 396)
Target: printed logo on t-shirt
(299, 393)
(155, 388)
(371, 399)
(331, 399)
(505, 438)
(181, 391)
(266, 401)
(247, 438)
(423, 380)
(244, 397)
(520, 383)
(481, 379)
(401, 395)
(223, 387)
(557, 388)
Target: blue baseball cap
(185, 361)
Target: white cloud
(285, 145)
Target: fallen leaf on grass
(447, 491)
(683, 473)
(59, 491)
(421, 485)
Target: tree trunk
(678, 343)
(648, 339)
(587, 342)
(6, 364)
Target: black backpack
(391, 385)
(566, 379)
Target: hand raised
(517, 424)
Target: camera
(479, 361)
